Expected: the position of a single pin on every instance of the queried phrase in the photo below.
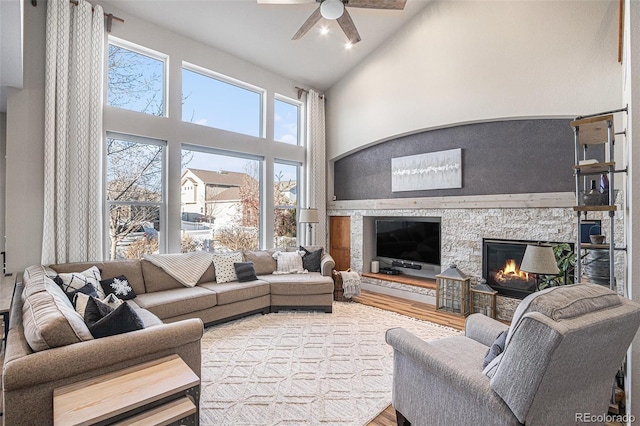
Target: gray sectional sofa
(173, 315)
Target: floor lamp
(309, 216)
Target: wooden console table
(158, 392)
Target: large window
(285, 121)
(135, 196)
(285, 202)
(220, 201)
(214, 102)
(136, 78)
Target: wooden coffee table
(158, 392)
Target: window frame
(145, 51)
(295, 207)
(299, 105)
(261, 182)
(162, 205)
(233, 82)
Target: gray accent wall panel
(502, 157)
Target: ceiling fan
(336, 10)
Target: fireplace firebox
(501, 261)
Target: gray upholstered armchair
(561, 354)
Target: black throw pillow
(118, 286)
(311, 259)
(496, 348)
(245, 271)
(122, 319)
(95, 310)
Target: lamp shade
(539, 260)
(308, 216)
(331, 9)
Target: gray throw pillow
(245, 271)
(496, 348)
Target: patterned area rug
(302, 368)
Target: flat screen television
(409, 240)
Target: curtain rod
(110, 17)
(301, 91)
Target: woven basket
(338, 291)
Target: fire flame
(511, 271)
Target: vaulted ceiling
(261, 33)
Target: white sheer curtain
(316, 165)
(73, 132)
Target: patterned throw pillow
(119, 286)
(73, 281)
(311, 259)
(289, 262)
(81, 301)
(245, 271)
(223, 264)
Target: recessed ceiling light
(348, 45)
(324, 30)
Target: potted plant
(566, 259)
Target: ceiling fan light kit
(335, 10)
(331, 9)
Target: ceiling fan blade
(285, 1)
(308, 24)
(378, 4)
(349, 28)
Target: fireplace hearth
(501, 261)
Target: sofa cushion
(223, 263)
(235, 291)
(50, 320)
(299, 284)
(131, 268)
(178, 301)
(263, 261)
(156, 279)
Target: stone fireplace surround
(465, 221)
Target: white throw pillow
(223, 264)
(289, 262)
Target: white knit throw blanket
(187, 268)
(350, 283)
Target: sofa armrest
(95, 355)
(483, 329)
(327, 264)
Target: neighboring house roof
(222, 177)
(231, 194)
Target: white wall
(25, 150)
(465, 61)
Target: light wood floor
(412, 309)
